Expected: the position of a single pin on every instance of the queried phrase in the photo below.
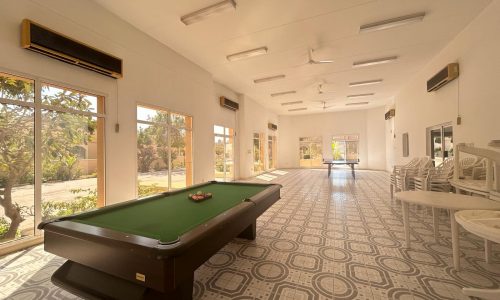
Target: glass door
(440, 143)
(271, 152)
(224, 153)
(310, 149)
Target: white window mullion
(169, 167)
(38, 156)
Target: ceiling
(288, 28)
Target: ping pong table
(350, 163)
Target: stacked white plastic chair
(436, 179)
(405, 179)
(398, 170)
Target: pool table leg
(250, 232)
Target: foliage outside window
(163, 150)
(258, 152)
(224, 153)
(310, 149)
(345, 147)
(68, 155)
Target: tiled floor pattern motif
(327, 238)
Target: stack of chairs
(473, 167)
(402, 175)
(436, 179)
(405, 181)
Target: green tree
(61, 134)
(146, 152)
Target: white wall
(153, 74)
(253, 118)
(368, 124)
(477, 50)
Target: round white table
(485, 224)
(450, 201)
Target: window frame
(38, 108)
(169, 112)
(231, 135)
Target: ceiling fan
(323, 105)
(312, 61)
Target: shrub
(52, 209)
(149, 189)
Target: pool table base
(92, 284)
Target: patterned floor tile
(327, 238)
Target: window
(52, 165)
(345, 147)
(224, 153)
(258, 153)
(310, 149)
(164, 151)
(271, 152)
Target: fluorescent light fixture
(391, 23)
(291, 103)
(360, 95)
(298, 109)
(367, 82)
(356, 103)
(283, 93)
(247, 54)
(208, 11)
(372, 62)
(271, 78)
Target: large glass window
(164, 150)
(258, 153)
(271, 152)
(310, 149)
(345, 147)
(224, 153)
(51, 165)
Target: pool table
(149, 248)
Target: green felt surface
(167, 218)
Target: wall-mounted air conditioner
(444, 76)
(40, 39)
(229, 104)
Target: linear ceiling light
(283, 93)
(208, 11)
(271, 78)
(291, 103)
(356, 103)
(368, 82)
(298, 109)
(372, 62)
(360, 95)
(247, 54)
(394, 22)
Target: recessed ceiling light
(367, 82)
(394, 22)
(356, 103)
(360, 95)
(208, 11)
(271, 78)
(298, 109)
(376, 61)
(247, 54)
(283, 93)
(291, 103)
